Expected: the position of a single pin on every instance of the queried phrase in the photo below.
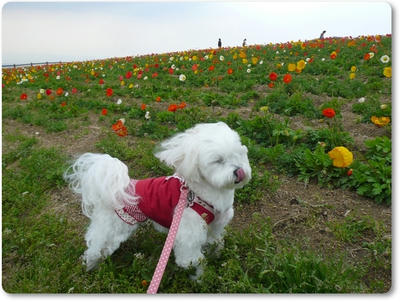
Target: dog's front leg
(217, 228)
(191, 236)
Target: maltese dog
(209, 162)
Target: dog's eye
(219, 160)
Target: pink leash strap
(169, 242)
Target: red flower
(328, 112)
(63, 104)
(211, 68)
(349, 172)
(172, 107)
(59, 91)
(273, 76)
(271, 85)
(287, 78)
(367, 57)
(158, 99)
(104, 111)
(128, 75)
(154, 75)
(143, 107)
(48, 91)
(101, 81)
(109, 92)
(74, 90)
(121, 78)
(230, 70)
(170, 71)
(194, 67)
(23, 96)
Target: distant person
(244, 42)
(219, 43)
(322, 35)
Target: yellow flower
(122, 83)
(264, 108)
(387, 72)
(194, 58)
(254, 60)
(242, 54)
(291, 67)
(353, 68)
(130, 85)
(39, 96)
(380, 121)
(352, 75)
(245, 61)
(301, 64)
(235, 56)
(341, 157)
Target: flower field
(315, 116)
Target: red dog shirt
(158, 199)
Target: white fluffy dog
(210, 163)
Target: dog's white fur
(205, 156)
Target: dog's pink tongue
(240, 175)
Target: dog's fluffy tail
(101, 180)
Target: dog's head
(210, 153)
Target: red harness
(158, 199)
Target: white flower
(147, 115)
(361, 100)
(119, 102)
(385, 59)
(173, 66)
(308, 60)
(371, 55)
(145, 78)
(41, 90)
(248, 65)
(221, 58)
(66, 94)
(75, 67)
(171, 59)
(323, 59)
(182, 78)
(248, 70)
(383, 106)
(206, 57)
(277, 52)
(261, 62)
(122, 120)
(57, 77)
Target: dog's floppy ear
(180, 152)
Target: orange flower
(230, 70)
(119, 128)
(287, 78)
(158, 99)
(144, 283)
(63, 104)
(143, 107)
(367, 57)
(59, 91)
(271, 85)
(172, 107)
(333, 55)
(328, 112)
(182, 105)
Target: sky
(75, 31)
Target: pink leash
(169, 242)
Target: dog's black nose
(240, 175)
